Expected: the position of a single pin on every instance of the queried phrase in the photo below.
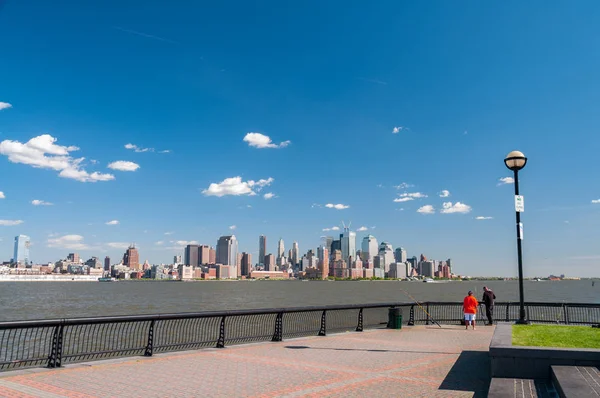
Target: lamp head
(515, 160)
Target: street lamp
(515, 161)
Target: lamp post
(515, 161)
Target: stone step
(521, 388)
(576, 381)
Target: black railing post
(507, 311)
(427, 319)
(55, 358)
(221, 341)
(278, 334)
(359, 327)
(527, 315)
(323, 330)
(411, 319)
(150, 346)
(566, 310)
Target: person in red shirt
(470, 309)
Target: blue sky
(464, 84)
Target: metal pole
(520, 257)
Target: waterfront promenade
(419, 361)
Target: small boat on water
(107, 280)
(428, 280)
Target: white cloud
(594, 201)
(269, 195)
(427, 209)
(405, 199)
(483, 218)
(71, 242)
(444, 194)
(415, 195)
(398, 129)
(42, 152)
(506, 180)
(94, 161)
(232, 227)
(37, 202)
(2, 196)
(331, 229)
(123, 165)
(160, 242)
(259, 140)
(10, 223)
(338, 206)
(113, 222)
(137, 148)
(361, 229)
(449, 208)
(403, 185)
(169, 233)
(185, 242)
(119, 245)
(165, 151)
(5, 105)
(400, 209)
(235, 186)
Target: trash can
(395, 318)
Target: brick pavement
(419, 361)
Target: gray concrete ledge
(532, 362)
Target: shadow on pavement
(304, 347)
(471, 372)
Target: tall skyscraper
(106, 263)
(191, 255)
(400, 255)
(269, 262)
(295, 253)
(323, 261)
(369, 248)
(227, 252)
(348, 241)
(386, 254)
(280, 248)
(131, 258)
(204, 255)
(21, 254)
(262, 249)
(246, 266)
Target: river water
(45, 300)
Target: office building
(335, 246)
(295, 253)
(400, 255)
(21, 252)
(227, 252)
(246, 265)
(204, 255)
(370, 248)
(212, 256)
(280, 249)
(106, 263)
(131, 258)
(73, 258)
(269, 262)
(177, 259)
(190, 255)
(348, 243)
(386, 255)
(427, 269)
(323, 255)
(262, 249)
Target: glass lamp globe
(515, 160)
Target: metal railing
(53, 343)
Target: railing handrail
(259, 311)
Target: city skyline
(166, 139)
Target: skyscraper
(191, 255)
(400, 255)
(280, 249)
(295, 253)
(269, 262)
(203, 255)
(212, 256)
(323, 261)
(246, 266)
(262, 249)
(369, 248)
(386, 254)
(131, 258)
(348, 241)
(227, 252)
(106, 263)
(21, 254)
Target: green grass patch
(556, 336)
